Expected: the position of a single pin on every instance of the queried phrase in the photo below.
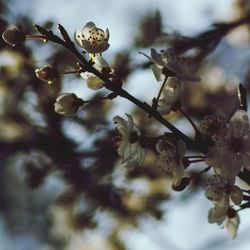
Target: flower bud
(13, 36)
(47, 74)
(67, 104)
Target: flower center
(96, 36)
(236, 145)
(133, 137)
(213, 127)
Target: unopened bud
(67, 104)
(47, 74)
(13, 36)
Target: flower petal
(165, 145)
(221, 207)
(94, 82)
(236, 195)
(87, 28)
(157, 71)
(232, 225)
(239, 123)
(107, 35)
(78, 38)
(178, 171)
(213, 219)
(214, 193)
(181, 149)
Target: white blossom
(67, 104)
(128, 145)
(171, 94)
(92, 39)
(94, 82)
(170, 159)
(167, 60)
(231, 151)
(221, 192)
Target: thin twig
(116, 87)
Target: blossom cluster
(227, 141)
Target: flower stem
(190, 121)
(40, 37)
(159, 94)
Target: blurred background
(62, 185)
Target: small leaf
(64, 33)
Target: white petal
(100, 62)
(221, 207)
(157, 70)
(178, 171)
(239, 123)
(225, 163)
(164, 109)
(232, 226)
(214, 193)
(142, 156)
(181, 149)
(164, 145)
(94, 82)
(78, 37)
(236, 195)
(85, 31)
(213, 219)
(121, 149)
(122, 125)
(107, 34)
(130, 123)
